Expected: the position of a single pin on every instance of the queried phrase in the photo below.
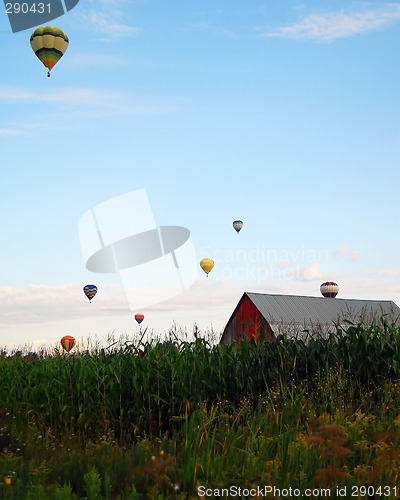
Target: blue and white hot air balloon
(237, 225)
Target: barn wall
(247, 323)
(229, 331)
(248, 320)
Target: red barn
(263, 316)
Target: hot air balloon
(206, 265)
(237, 225)
(49, 44)
(329, 289)
(68, 342)
(139, 318)
(90, 291)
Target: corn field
(179, 419)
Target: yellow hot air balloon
(49, 44)
(206, 265)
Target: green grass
(158, 421)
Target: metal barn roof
(311, 311)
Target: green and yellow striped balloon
(49, 44)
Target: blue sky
(282, 114)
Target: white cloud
(41, 312)
(77, 96)
(74, 105)
(102, 22)
(12, 132)
(307, 273)
(83, 100)
(204, 293)
(283, 265)
(352, 285)
(8, 93)
(106, 18)
(90, 60)
(347, 253)
(332, 25)
(371, 288)
(46, 303)
(389, 273)
(203, 26)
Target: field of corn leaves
(315, 419)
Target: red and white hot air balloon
(329, 289)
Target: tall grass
(218, 413)
(144, 386)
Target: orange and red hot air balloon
(68, 342)
(139, 317)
